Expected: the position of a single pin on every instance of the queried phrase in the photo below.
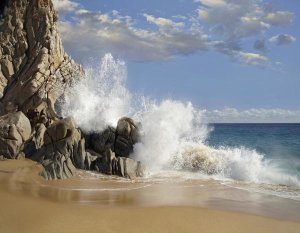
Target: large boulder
(106, 163)
(127, 134)
(63, 150)
(114, 147)
(125, 167)
(36, 141)
(15, 130)
(129, 168)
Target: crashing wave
(173, 134)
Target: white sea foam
(240, 164)
(101, 98)
(173, 135)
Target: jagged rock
(57, 167)
(34, 69)
(106, 163)
(15, 130)
(37, 140)
(127, 134)
(129, 168)
(125, 167)
(63, 150)
(35, 73)
(114, 147)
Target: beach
(29, 205)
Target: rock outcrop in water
(115, 147)
(34, 73)
(127, 134)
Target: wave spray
(173, 134)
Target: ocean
(271, 158)
(279, 143)
(277, 140)
(176, 144)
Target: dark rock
(123, 146)
(100, 142)
(3, 4)
(127, 134)
(106, 163)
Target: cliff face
(35, 70)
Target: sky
(237, 60)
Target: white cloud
(282, 39)
(252, 58)
(94, 34)
(65, 5)
(163, 22)
(261, 115)
(212, 2)
(236, 19)
(233, 19)
(279, 18)
(221, 25)
(252, 26)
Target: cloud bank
(96, 33)
(218, 25)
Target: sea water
(279, 143)
(176, 143)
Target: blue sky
(233, 58)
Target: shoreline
(24, 210)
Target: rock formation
(127, 135)
(35, 70)
(15, 130)
(34, 73)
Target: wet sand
(101, 204)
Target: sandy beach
(29, 205)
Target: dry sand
(25, 208)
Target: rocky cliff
(34, 72)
